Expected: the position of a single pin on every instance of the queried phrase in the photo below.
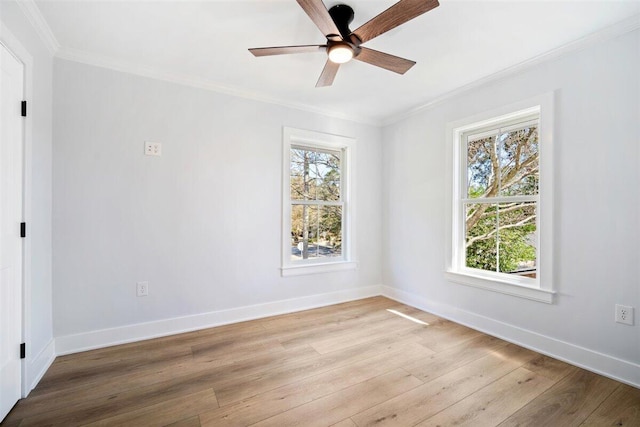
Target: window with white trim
(498, 225)
(316, 209)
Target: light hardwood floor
(371, 362)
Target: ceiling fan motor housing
(343, 15)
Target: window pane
(304, 232)
(518, 238)
(303, 186)
(502, 237)
(297, 187)
(480, 175)
(328, 172)
(481, 238)
(315, 174)
(330, 238)
(519, 162)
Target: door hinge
(23, 351)
(24, 108)
(23, 229)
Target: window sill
(299, 270)
(503, 287)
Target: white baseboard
(37, 366)
(107, 337)
(608, 366)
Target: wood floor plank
(493, 403)
(345, 423)
(53, 398)
(184, 372)
(325, 315)
(10, 421)
(164, 413)
(454, 357)
(232, 391)
(366, 333)
(335, 407)
(621, 408)
(144, 348)
(86, 373)
(85, 411)
(265, 405)
(427, 400)
(228, 352)
(187, 422)
(367, 362)
(445, 334)
(411, 312)
(330, 330)
(134, 357)
(568, 403)
(551, 368)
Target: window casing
(500, 209)
(317, 210)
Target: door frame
(10, 42)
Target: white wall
(597, 209)
(201, 223)
(38, 332)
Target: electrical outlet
(152, 148)
(142, 289)
(624, 314)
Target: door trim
(14, 46)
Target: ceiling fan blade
(328, 74)
(319, 14)
(398, 14)
(284, 50)
(384, 60)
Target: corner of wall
(38, 365)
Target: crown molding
(88, 58)
(39, 23)
(623, 27)
(33, 14)
(41, 26)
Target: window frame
(293, 137)
(541, 288)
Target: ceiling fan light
(340, 53)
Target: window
(499, 232)
(500, 199)
(316, 211)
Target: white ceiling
(205, 43)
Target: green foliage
(513, 247)
(501, 240)
(502, 237)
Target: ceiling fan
(344, 44)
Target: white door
(11, 146)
